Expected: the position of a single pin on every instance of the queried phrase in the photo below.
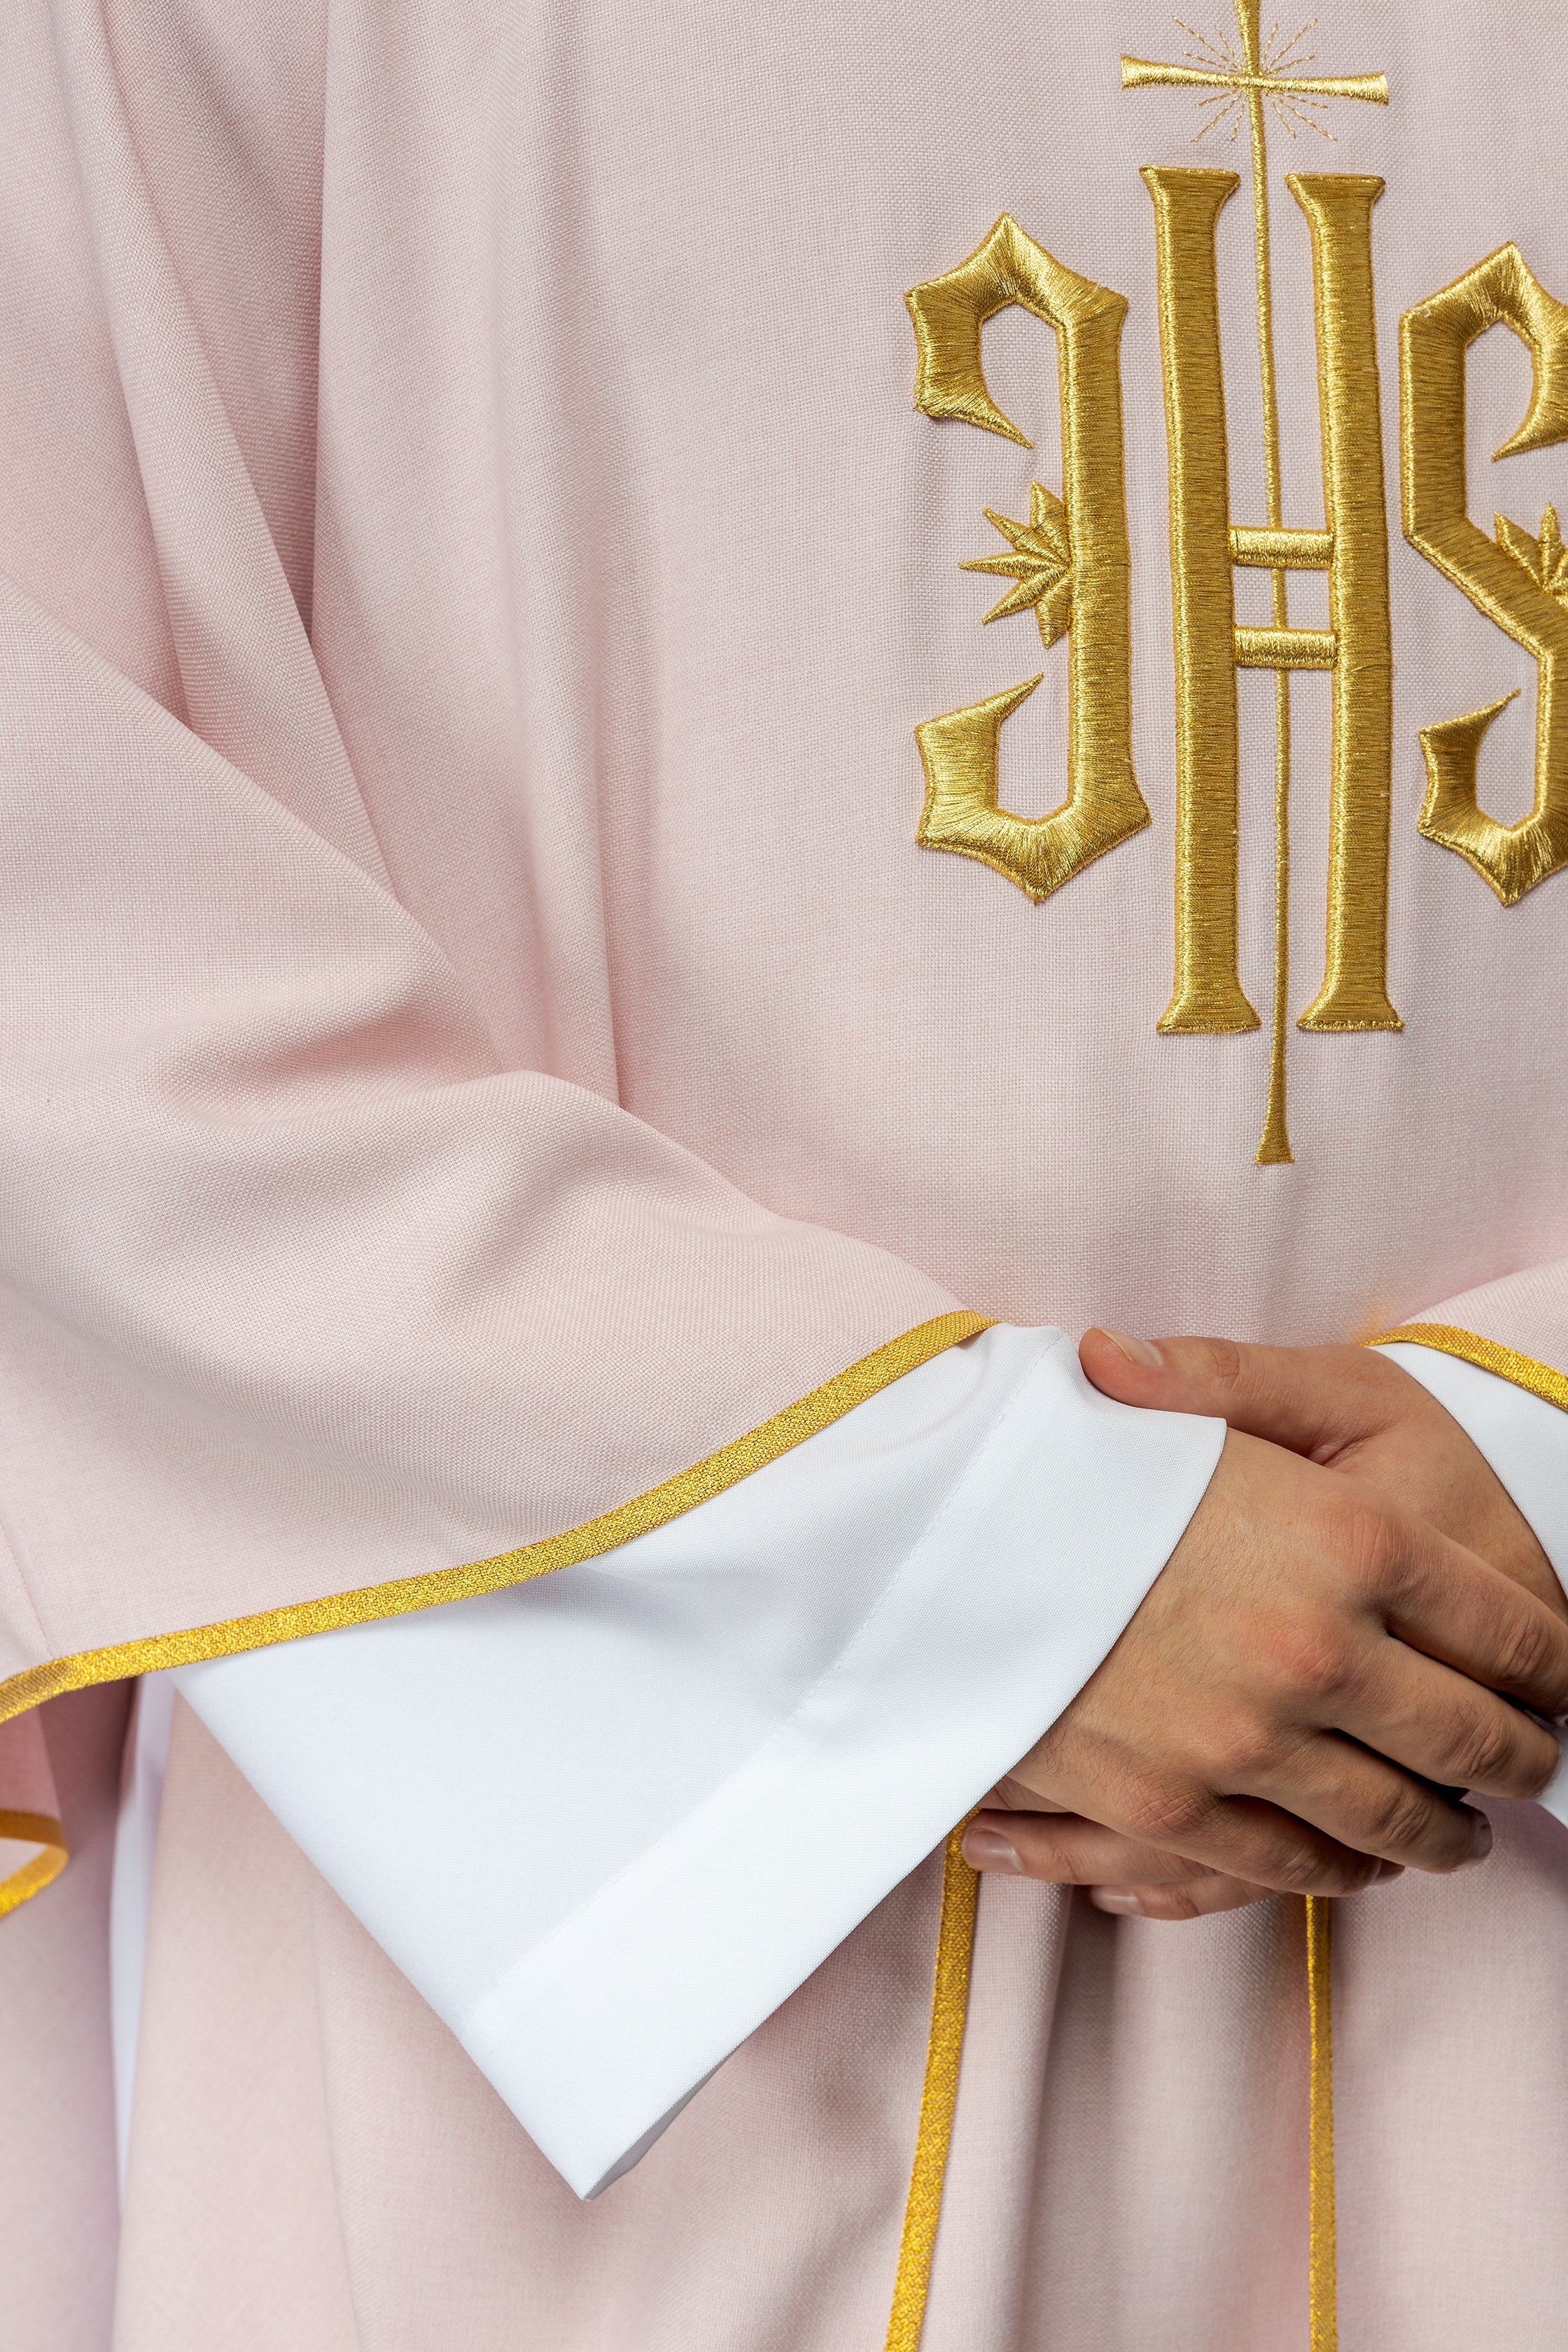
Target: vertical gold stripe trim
(1322, 2258)
(660, 1504)
(939, 2095)
(1522, 1370)
(35, 1829)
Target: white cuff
(607, 1822)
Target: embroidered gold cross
(1237, 86)
(1254, 75)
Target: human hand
(1026, 1835)
(1257, 1722)
(1347, 1409)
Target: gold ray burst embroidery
(1041, 563)
(1237, 83)
(1229, 77)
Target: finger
(1445, 1728)
(1199, 1897)
(1236, 1836)
(1442, 1600)
(1311, 1400)
(1186, 1898)
(1363, 1802)
(1066, 1850)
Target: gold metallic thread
(939, 2095)
(1354, 993)
(1356, 648)
(1208, 994)
(1322, 2259)
(1515, 580)
(31, 1829)
(1143, 73)
(1267, 550)
(1284, 648)
(1073, 552)
(653, 1509)
(1274, 1145)
(1524, 1371)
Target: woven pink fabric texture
(479, 1032)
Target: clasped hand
(1311, 1685)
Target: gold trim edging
(1489, 1355)
(1322, 2244)
(939, 2095)
(33, 1829)
(660, 1504)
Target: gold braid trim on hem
(31, 1829)
(638, 1517)
(1487, 1354)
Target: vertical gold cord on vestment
(939, 2095)
(1322, 2260)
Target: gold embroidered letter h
(1210, 648)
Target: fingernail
(1481, 1842)
(1117, 1898)
(1137, 1352)
(989, 1850)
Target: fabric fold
(606, 1823)
(33, 1849)
(239, 1080)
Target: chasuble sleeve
(336, 1280)
(314, 1311)
(316, 1315)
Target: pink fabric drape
(479, 1032)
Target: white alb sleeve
(606, 1821)
(1525, 1440)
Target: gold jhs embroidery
(1069, 563)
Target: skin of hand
(1349, 1506)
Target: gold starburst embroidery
(1270, 73)
(1545, 559)
(1041, 563)
(1281, 58)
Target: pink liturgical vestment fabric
(481, 1034)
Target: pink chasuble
(500, 1004)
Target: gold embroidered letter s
(1070, 562)
(1518, 581)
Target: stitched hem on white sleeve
(989, 1628)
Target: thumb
(1311, 1400)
